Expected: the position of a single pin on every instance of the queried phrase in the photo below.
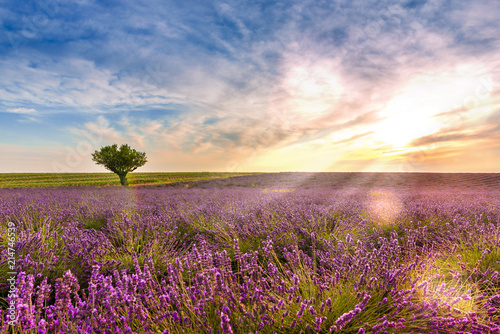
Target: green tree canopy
(120, 161)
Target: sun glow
(412, 112)
(401, 129)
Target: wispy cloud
(21, 110)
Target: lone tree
(120, 161)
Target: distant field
(409, 181)
(10, 180)
(356, 180)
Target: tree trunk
(123, 179)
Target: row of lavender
(252, 260)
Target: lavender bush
(253, 258)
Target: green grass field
(10, 180)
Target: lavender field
(269, 253)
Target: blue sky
(251, 85)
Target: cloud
(22, 110)
(464, 134)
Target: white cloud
(22, 110)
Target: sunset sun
(415, 110)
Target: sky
(355, 85)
